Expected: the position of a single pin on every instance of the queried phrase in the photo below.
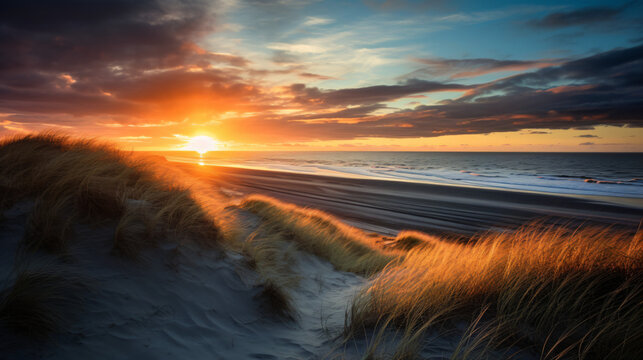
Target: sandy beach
(390, 206)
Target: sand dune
(104, 255)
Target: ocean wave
(531, 172)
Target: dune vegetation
(39, 302)
(271, 255)
(66, 182)
(346, 247)
(556, 291)
(73, 180)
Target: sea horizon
(584, 174)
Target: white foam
(496, 178)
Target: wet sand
(389, 206)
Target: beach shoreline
(386, 206)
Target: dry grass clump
(37, 303)
(50, 224)
(77, 179)
(409, 239)
(135, 231)
(276, 300)
(272, 257)
(347, 248)
(558, 291)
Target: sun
(201, 144)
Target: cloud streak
(586, 16)
(463, 68)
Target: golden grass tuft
(409, 239)
(559, 291)
(347, 248)
(83, 180)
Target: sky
(327, 75)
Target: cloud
(297, 48)
(539, 132)
(587, 143)
(315, 76)
(284, 57)
(113, 66)
(368, 95)
(414, 5)
(583, 16)
(603, 89)
(461, 68)
(137, 35)
(587, 136)
(125, 58)
(312, 21)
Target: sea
(597, 174)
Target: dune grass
(74, 180)
(67, 182)
(347, 248)
(38, 302)
(409, 239)
(272, 257)
(556, 291)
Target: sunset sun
(201, 144)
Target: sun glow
(201, 144)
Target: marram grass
(556, 291)
(74, 180)
(347, 248)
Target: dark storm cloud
(582, 16)
(124, 57)
(370, 94)
(70, 34)
(606, 88)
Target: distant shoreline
(387, 206)
(594, 185)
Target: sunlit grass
(557, 291)
(554, 291)
(74, 180)
(272, 257)
(347, 248)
